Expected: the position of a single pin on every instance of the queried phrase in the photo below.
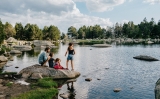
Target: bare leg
(72, 64)
(67, 64)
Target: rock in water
(88, 79)
(157, 89)
(3, 59)
(117, 90)
(145, 57)
(48, 72)
(15, 52)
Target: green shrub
(38, 94)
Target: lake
(136, 78)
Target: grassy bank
(43, 89)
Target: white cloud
(60, 13)
(101, 5)
(152, 1)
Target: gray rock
(48, 72)
(117, 89)
(88, 79)
(98, 79)
(1, 80)
(145, 57)
(157, 89)
(15, 52)
(3, 59)
(36, 76)
(2, 96)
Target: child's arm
(66, 52)
(74, 52)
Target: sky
(66, 13)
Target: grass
(46, 83)
(38, 94)
(46, 90)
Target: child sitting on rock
(57, 64)
(51, 60)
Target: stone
(1, 80)
(88, 79)
(157, 89)
(65, 95)
(117, 89)
(106, 68)
(145, 57)
(3, 59)
(1, 92)
(150, 42)
(2, 64)
(36, 76)
(98, 79)
(6, 76)
(16, 67)
(15, 52)
(48, 72)
(2, 96)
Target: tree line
(28, 32)
(146, 29)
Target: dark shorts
(70, 57)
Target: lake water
(136, 78)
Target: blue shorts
(70, 57)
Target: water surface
(136, 78)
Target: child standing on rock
(71, 53)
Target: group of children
(55, 63)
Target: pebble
(2, 96)
(98, 79)
(106, 68)
(88, 79)
(117, 90)
(16, 67)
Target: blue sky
(66, 13)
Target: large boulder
(157, 90)
(145, 57)
(3, 59)
(37, 71)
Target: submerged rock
(145, 57)
(47, 72)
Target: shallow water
(136, 78)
